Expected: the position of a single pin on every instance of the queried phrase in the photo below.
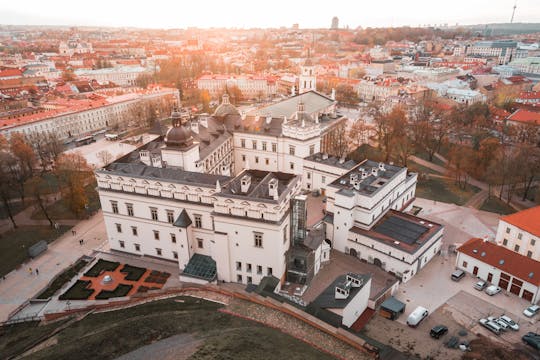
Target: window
(292, 150)
(292, 166)
(259, 269)
(238, 278)
(285, 234)
(173, 238)
(323, 179)
(465, 264)
(254, 144)
(198, 220)
(248, 268)
(122, 244)
(170, 216)
(267, 161)
(308, 175)
(249, 279)
(274, 147)
(256, 159)
(200, 243)
(156, 235)
(269, 272)
(520, 235)
(153, 212)
(244, 158)
(311, 149)
(505, 242)
(258, 240)
(134, 230)
(529, 254)
(264, 145)
(158, 251)
(238, 266)
(533, 241)
(114, 205)
(175, 254)
(243, 143)
(508, 230)
(516, 248)
(118, 228)
(137, 247)
(129, 208)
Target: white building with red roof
(500, 266)
(520, 232)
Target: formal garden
(109, 279)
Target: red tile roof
(10, 73)
(512, 263)
(525, 116)
(528, 220)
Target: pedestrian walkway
(19, 285)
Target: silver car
(531, 310)
(511, 323)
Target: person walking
(30, 271)
(37, 271)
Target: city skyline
(314, 14)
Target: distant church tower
(335, 23)
(307, 80)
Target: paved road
(19, 285)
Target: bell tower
(307, 79)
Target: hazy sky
(265, 13)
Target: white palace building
(222, 196)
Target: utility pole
(513, 12)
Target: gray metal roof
(393, 305)
(327, 298)
(183, 220)
(314, 102)
(167, 174)
(331, 161)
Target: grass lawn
(59, 210)
(100, 266)
(78, 291)
(15, 243)
(111, 334)
(133, 273)
(63, 278)
(412, 166)
(16, 207)
(441, 189)
(425, 156)
(495, 205)
(119, 291)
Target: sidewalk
(20, 286)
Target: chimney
(381, 166)
(353, 177)
(375, 171)
(273, 188)
(325, 156)
(364, 174)
(293, 91)
(203, 121)
(245, 183)
(195, 126)
(342, 160)
(333, 96)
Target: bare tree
(105, 157)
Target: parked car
(457, 275)
(490, 325)
(480, 285)
(438, 331)
(493, 290)
(511, 323)
(417, 316)
(531, 310)
(504, 326)
(532, 339)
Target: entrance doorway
(377, 262)
(475, 271)
(353, 252)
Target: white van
(417, 316)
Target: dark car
(438, 331)
(532, 339)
